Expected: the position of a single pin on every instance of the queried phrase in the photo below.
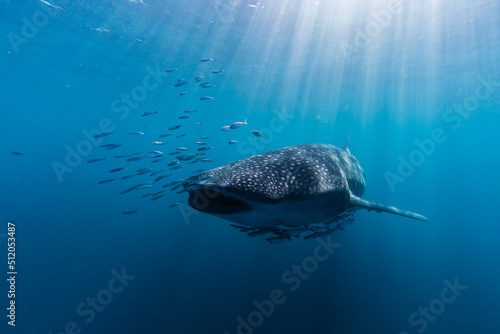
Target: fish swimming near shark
(310, 188)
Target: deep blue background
(278, 57)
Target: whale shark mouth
(215, 200)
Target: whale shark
(309, 188)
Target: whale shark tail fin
(357, 202)
(347, 144)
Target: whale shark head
(295, 186)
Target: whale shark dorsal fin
(357, 202)
(347, 144)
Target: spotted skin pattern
(289, 173)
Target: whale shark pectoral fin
(357, 202)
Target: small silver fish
(126, 190)
(206, 148)
(257, 133)
(183, 93)
(181, 83)
(105, 181)
(170, 70)
(186, 157)
(198, 79)
(175, 167)
(157, 197)
(157, 172)
(51, 5)
(135, 159)
(136, 133)
(204, 98)
(200, 143)
(183, 117)
(198, 171)
(225, 128)
(91, 161)
(276, 240)
(16, 153)
(165, 135)
(236, 125)
(190, 111)
(216, 71)
(129, 212)
(116, 170)
(159, 143)
(147, 113)
(204, 60)
(232, 142)
(112, 147)
(161, 177)
(176, 182)
(257, 232)
(176, 187)
(101, 135)
(175, 127)
(174, 153)
(144, 186)
(182, 149)
(180, 136)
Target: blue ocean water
(415, 85)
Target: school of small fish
(153, 170)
